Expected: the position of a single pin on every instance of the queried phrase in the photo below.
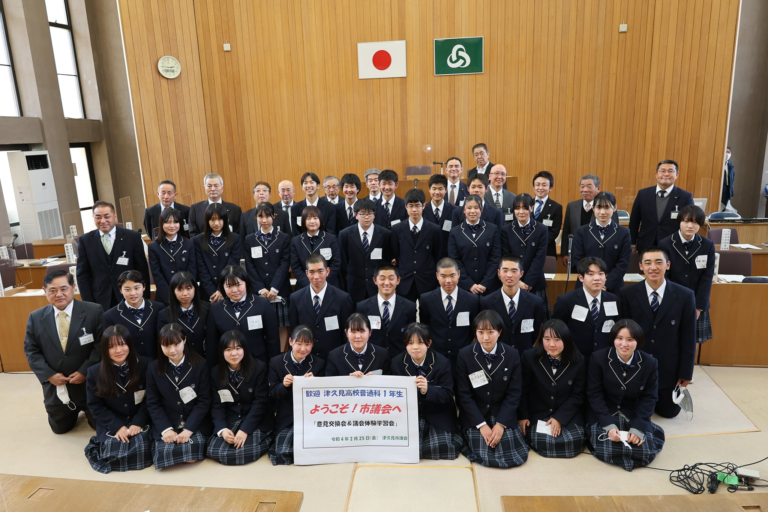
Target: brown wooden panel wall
(563, 90)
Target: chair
(716, 235)
(60, 266)
(550, 265)
(25, 251)
(8, 273)
(623, 214)
(735, 263)
(724, 215)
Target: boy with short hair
(391, 208)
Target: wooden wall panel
(563, 90)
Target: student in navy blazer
(603, 238)
(478, 186)
(326, 314)
(310, 183)
(314, 239)
(439, 211)
(170, 253)
(692, 264)
(655, 210)
(139, 315)
(358, 357)
(215, 249)
(187, 309)
(350, 188)
(391, 209)
(521, 322)
(388, 321)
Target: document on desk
(549, 276)
(747, 246)
(730, 278)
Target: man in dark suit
(248, 223)
(483, 163)
(655, 211)
(391, 208)
(439, 211)
(62, 341)
(547, 211)
(667, 314)
(456, 190)
(478, 185)
(345, 208)
(166, 192)
(332, 187)
(497, 194)
(388, 312)
(371, 178)
(729, 175)
(310, 183)
(214, 187)
(105, 253)
(286, 191)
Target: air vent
(50, 226)
(35, 162)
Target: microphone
(438, 163)
(568, 275)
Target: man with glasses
(483, 162)
(214, 187)
(331, 187)
(497, 195)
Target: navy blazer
(164, 403)
(460, 197)
(145, 334)
(324, 245)
(390, 338)
(609, 391)
(336, 303)
(164, 263)
(447, 337)
(490, 214)
(197, 217)
(560, 396)
(114, 413)
(152, 219)
(263, 342)
(500, 397)
(530, 307)
(342, 215)
(396, 216)
(645, 228)
(249, 224)
(445, 224)
(273, 268)
(416, 261)
(684, 270)
(282, 397)
(97, 271)
(327, 211)
(552, 212)
(670, 335)
(343, 360)
(210, 263)
(436, 406)
(478, 257)
(587, 335)
(195, 329)
(615, 251)
(251, 405)
(357, 265)
(532, 249)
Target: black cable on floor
(702, 476)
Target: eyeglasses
(366, 215)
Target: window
(64, 55)
(85, 183)
(9, 98)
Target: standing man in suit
(478, 186)
(248, 223)
(482, 162)
(729, 174)
(62, 341)
(457, 191)
(345, 209)
(654, 214)
(331, 186)
(310, 183)
(105, 253)
(286, 191)
(497, 195)
(391, 209)
(547, 211)
(667, 314)
(166, 192)
(439, 211)
(371, 178)
(214, 187)
(388, 312)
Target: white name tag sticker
(331, 323)
(478, 379)
(701, 261)
(122, 260)
(608, 325)
(509, 216)
(579, 313)
(375, 321)
(326, 253)
(462, 319)
(461, 203)
(611, 309)
(187, 394)
(543, 428)
(225, 396)
(376, 253)
(526, 325)
(548, 223)
(256, 252)
(394, 221)
(447, 225)
(86, 339)
(377, 372)
(254, 322)
(298, 221)
(138, 396)
(673, 215)
(186, 226)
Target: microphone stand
(441, 166)
(568, 270)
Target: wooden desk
(48, 248)
(749, 233)
(759, 258)
(33, 277)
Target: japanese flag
(385, 59)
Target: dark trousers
(413, 293)
(62, 419)
(665, 407)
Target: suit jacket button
(178, 403)
(214, 266)
(125, 405)
(653, 341)
(489, 392)
(552, 398)
(266, 263)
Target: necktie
(176, 371)
(595, 309)
(554, 362)
(238, 306)
(351, 215)
(496, 200)
(527, 230)
(415, 232)
(625, 367)
(654, 301)
(215, 242)
(389, 214)
(422, 372)
(63, 330)
(539, 206)
(172, 245)
(452, 195)
(187, 315)
(312, 240)
(317, 305)
(512, 310)
(587, 207)
(449, 308)
(437, 215)
(299, 367)
(662, 193)
(107, 243)
(360, 359)
(235, 377)
(366, 246)
(385, 315)
(138, 313)
(602, 229)
(265, 238)
(489, 358)
(122, 370)
(286, 208)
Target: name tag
(331, 323)
(256, 252)
(447, 225)
(298, 221)
(509, 216)
(547, 222)
(543, 428)
(375, 321)
(186, 226)
(461, 203)
(394, 221)
(376, 253)
(526, 326)
(187, 394)
(701, 261)
(579, 313)
(326, 253)
(462, 319)
(86, 339)
(608, 325)
(225, 396)
(122, 260)
(478, 379)
(673, 215)
(377, 372)
(138, 396)
(254, 322)
(611, 309)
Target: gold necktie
(63, 330)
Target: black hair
(474, 198)
(130, 275)
(167, 182)
(302, 333)
(691, 213)
(438, 179)
(48, 279)
(365, 204)
(560, 330)
(311, 211)
(357, 322)
(588, 261)
(315, 257)
(546, 175)
(106, 381)
(166, 216)
(220, 211)
(230, 275)
(103, 204)
(385, 266)
(511, 258)
(663, 162)
(421, 331)
(447, 262)
(266, 208)
(453, 158)
(524, 200)
(179, 280)
(635, 331)
(488, 319)
(479, 145)
(388, 175)
(482, 178)
(262, 183)
(604, 199)
(654, 249)
(173, 334)
(415, 195)
(310, 175)
(351, 179)
(247, 365)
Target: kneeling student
(438, 438)
(115, 390)
(358, 357)
(242, 419)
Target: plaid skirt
(510, 452)
(281, 451)
(255, 446)
(703, 328)
(568, 444)
(281, 310)
(170, 454)
(618, 454)
(436, 444)
(115, 455)
(547, 310)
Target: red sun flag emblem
(382, 60)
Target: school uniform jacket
(436, 406)
(250, 403)
(560, 396)
(279, 367)
(417, 260)
(152, 219)
(164, 264)
(324, 245)
(145, 334)
(263, 341)
(195, 329)
(615, 250)
(273, 268)
(587, 335)
(210, 262)
(197, 217)
(165, 406)
(670, 334)
(529, 307)
(684, 270)
(249, 224)
(336, 303)
(478, 257)
(572, 222)
(391, 337)
(45, 356)
(552, 212)
(327, 210)
(532, 249)
(357, 265)
(445, 224)
(343, 360)
(97, 271)
(114, 413)
(499, 397)
(447, 337)
(645, 228)
(610, 391)
(489, 214)
(342, 216)
(397, 214)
